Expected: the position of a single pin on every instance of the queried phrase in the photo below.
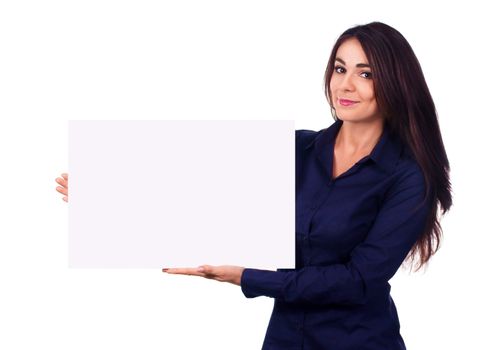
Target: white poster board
(152, 194)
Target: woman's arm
(372, 263)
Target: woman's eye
(339, 69)
(366, 75)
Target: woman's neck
(359, 137)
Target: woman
(368, 192)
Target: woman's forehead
(351, 53)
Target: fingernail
(201, 269)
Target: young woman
(369, 189)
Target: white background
(62, 60)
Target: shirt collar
(385, 153)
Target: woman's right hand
(63, 188)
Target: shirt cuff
(255, 283)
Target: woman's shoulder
(304, 136)
(407, 170)
(305, 133)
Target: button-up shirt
(352, 234)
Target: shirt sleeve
(398, 225)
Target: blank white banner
(152, 194)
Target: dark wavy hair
(404, 100)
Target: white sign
(152, 194)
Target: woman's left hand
(225, 273)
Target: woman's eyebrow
(359, 65)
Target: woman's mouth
(346, 103)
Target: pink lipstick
(346, 103)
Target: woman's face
(351, 84)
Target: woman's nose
(347, 83)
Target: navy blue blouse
(352, 234)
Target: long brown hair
(404, 100)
